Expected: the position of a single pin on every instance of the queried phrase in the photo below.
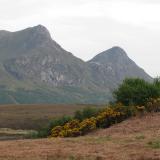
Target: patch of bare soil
(135, 139)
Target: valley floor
(135, 139)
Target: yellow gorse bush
(56, 130)
(76, 128)
(69, 133)
(87, 125)
(71, 125)
(107, 117)
(70, 129)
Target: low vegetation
(78, 115)
(133, 97)
(109, 116)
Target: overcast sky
(87, 27)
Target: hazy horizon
(87, 28)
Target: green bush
(42, 133)
(86, 113)
(136, 91)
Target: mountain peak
(111, 54)
(41, 31)
(116, 50)
(40, 28)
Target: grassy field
(135, 139)
(33, 117)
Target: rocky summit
(36, 69)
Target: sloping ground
(135, 139)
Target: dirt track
(131, 140)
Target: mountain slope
(112, 66)
(35, 69)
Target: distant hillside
(36, 69)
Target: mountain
(36, 69)
(112, 66)
(32, 54)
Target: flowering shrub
(87, 125)
(107, 118)
(69, 132)
(56, 131)
(74, 128)
(111, 115)
(71, 125)
(70, 129)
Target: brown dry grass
(128, 140)
(32, 116)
